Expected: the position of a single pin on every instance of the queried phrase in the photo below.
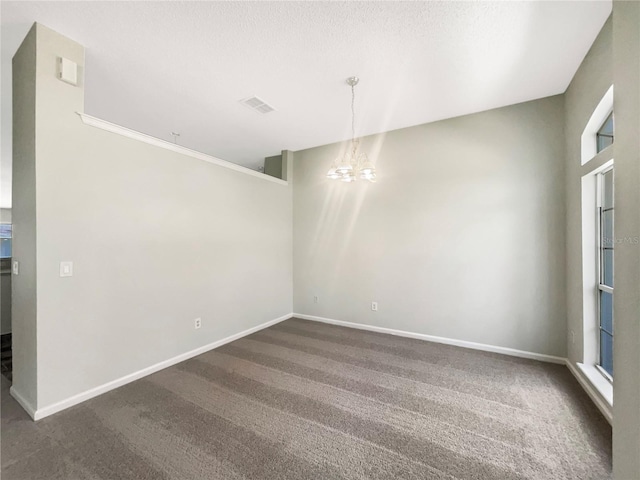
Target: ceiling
(159, 67)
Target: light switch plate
(16, 267)
(67, 71)
(66, 269)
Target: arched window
(598, 134)
(604, 136)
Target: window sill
(598, 382)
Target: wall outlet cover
(66, 269)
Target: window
(5, 240)
(598, 241)
(606, 243)
(604, 136)
(600, 124)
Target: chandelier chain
(353, 112)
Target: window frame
(600, 286)
(588, 141)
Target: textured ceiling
(159, 67)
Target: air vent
(257, 104)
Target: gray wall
(24, 220)
(590, 83)
(273, 166)
(157, 240)
(626, 387)
(462, 236)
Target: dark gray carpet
(304, 400)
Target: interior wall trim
(30, 409)
(143, 137)
(605, 409)
(431, 338)
(94, 392)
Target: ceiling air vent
(257, 104)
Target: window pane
(606, 352)
(607, 267)
(604, 136)
(5, 230)
(606, 311)
(603, 142)
(607, 126)
(607, 189)
(607, 229)
(5, 247)
(5, 240)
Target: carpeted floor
(305, 400)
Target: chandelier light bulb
(366, 167)
(333, 174)
(348, 177)
(345, 166)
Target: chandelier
(353, 164)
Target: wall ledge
(143, 137)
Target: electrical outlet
(198, 323)
(66, 269)
(316, 299)
(374, 306)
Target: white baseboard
(602, 405)
(431, 338)
(23, 402)
(94, 392)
